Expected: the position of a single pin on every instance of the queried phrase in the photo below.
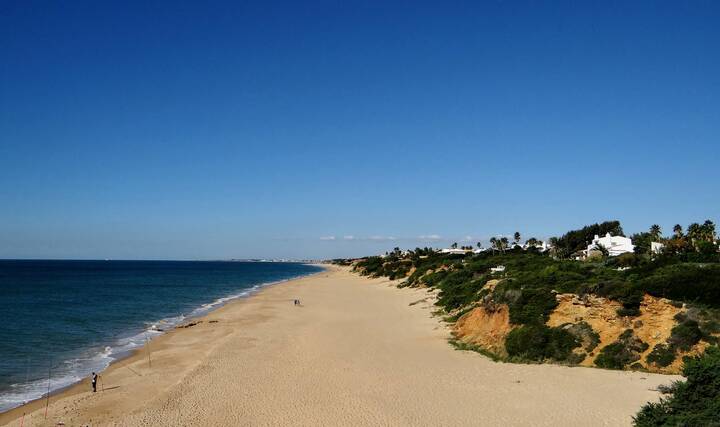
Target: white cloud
(430, 237)
(327, 238)
(381, 238)
(349, 237)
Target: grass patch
(460, 345)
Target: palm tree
(694, 232)
(678, 231)
(504, 243)
(655, 232)
(493, 243)
(708, 231)
(479, 245)
(454, 245)
(516, 236)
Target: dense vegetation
(532, 279)
(576, 240)
(694, 402)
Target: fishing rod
(47, 400)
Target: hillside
(628, 312)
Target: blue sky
(216, 130)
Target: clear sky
(200, 130)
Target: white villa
(656, 247)
(615, 245)
(454, 251)
(540, 246)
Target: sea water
(63, 320)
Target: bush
(625, 260)
(539, 342)
(458, 289)
(628, 312)
(685, 335)
(631, 304)
(584, 333)
(622, 352)
(695, 402)
(527, 305)
(662, 355)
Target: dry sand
(355, 353)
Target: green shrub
(694, 402)
(628, 312)
(662, 355)
(625, 260)
(527, 305)
(711, 326)
(458, 289)
(614, 356)
(622, 352)
(685, 335)
(677, 304)
(631, 304)
(539, 342)
(585, 335)
(684, 282)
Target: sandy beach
(357, 351)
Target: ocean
(66, 319)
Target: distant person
(94, 382)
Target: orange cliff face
(486, 326)
(489, 324)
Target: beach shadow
(111, 388)
(134, 371)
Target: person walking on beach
(94, 382)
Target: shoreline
(358, 351)
(84, 384)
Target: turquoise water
(66, 319)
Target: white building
(656, 247)
(454, 251)
(539, 245)
(615, 245)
